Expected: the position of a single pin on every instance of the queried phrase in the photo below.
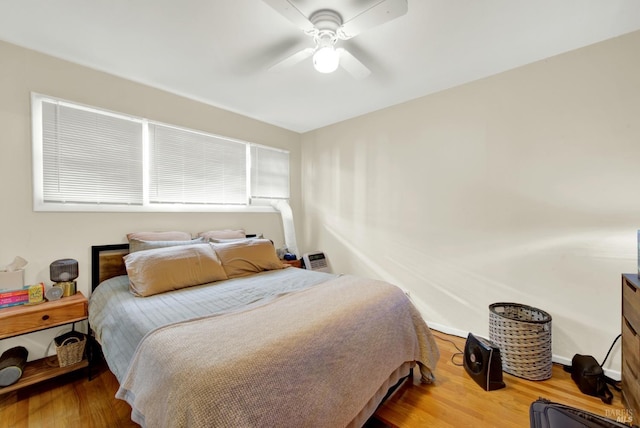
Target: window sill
(168, 208)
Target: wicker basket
(70, 348)
(523, 334)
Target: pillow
(172, 268)
(140, 245)
(222, 234)
(159, 236)
(222, 241)
(247, 257)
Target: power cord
(460, 352)
(615, 384)
(609, 351)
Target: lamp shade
(63, 270)
(326, 59)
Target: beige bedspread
(313, 358)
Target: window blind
(195, 168)
(90, 157)
(269, 173)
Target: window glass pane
(90, 157)
(269, 173)
(194, 168)
(102, 160)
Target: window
(194, 168)
(269, 173)
(87, 159)
(90, 157)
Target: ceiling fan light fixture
(326, 59)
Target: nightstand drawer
(24, 319)
(630, 386)
(631, 304)
(630, 344)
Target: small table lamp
(64, 272)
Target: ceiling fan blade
(381, 12)
(292, 60)
(292, 13)
(352, 65)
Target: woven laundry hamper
(523, 334)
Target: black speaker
(483, 363)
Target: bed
(278, 347)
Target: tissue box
(14, 279)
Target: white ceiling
(218, 51)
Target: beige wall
(520, 187)
(42, 237)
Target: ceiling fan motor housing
(326, 19)
(326, 23)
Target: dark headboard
(107, 262)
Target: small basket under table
(70, 348)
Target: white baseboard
(558, 359)
(447, 330)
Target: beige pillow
(140, 245)
(222, 234)
(244, 258)
(172, 268)
(159, 236)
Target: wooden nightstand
(294, 263)
(631, 343)
(19, 320)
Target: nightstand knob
(45, 317)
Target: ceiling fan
(326, 27)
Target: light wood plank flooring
(454, 400)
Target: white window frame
(39, 204)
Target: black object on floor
(483, 363)
(546, 414)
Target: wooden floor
(454, 400)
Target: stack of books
(15, 297)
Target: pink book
(13, 299)
(7, 305)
